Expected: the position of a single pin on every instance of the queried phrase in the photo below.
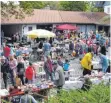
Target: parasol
(40, 33)
(67, 27)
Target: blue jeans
(49, 74)
(12, 77)
(46, 53)
(104, 69)
(30, 81)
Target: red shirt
(68, 36)
(6, 51)
(29, 73)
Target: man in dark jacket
(4, 69)
(103, 50)
(41, 45)
(71, 47)
(21, 70)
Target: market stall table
(96, 65)
(61, 44)
(73, 84)
(43, 92)
(97, 80)
(100, 77)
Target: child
(73, 53)
(18, 81)
(66, 65)
(60, 61)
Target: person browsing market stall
(46, 48)
(48, 68)
(59, 61)
(59, 78)
(21, 68)
(66, 65)
(27, 98)
(13, 68)
(104, 62)
(71, 47)
(6, 51)
(86, 62)
(30, 73)
(4, 70)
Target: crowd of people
(82, 46)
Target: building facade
(49, 19)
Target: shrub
(97, 94)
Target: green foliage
(32, 4)
(54, 5)
(91, 7)
(79, 6)
(4, 101)
(97, 94)
(9, 9)
(73, 5)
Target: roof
(105, 20)
(55, 16)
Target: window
(108, 10)
(30, 28)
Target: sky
(15, 2)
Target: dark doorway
(106, 29)
(100, 28)
(10, 30)
(47, 27)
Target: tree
(40, 4)
(91, 7)
(9, 9)
(54, 5)
(19, 10)
(32, 4)
(79, 6)
(73, 5)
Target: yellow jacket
(86, 61)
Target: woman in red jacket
(30, 73)
(6, 51)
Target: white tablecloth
(95, 62)
(73, 84)
(4, 92)
(96, 65)
(95, 81)
(104, 79)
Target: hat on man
(27, 90)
